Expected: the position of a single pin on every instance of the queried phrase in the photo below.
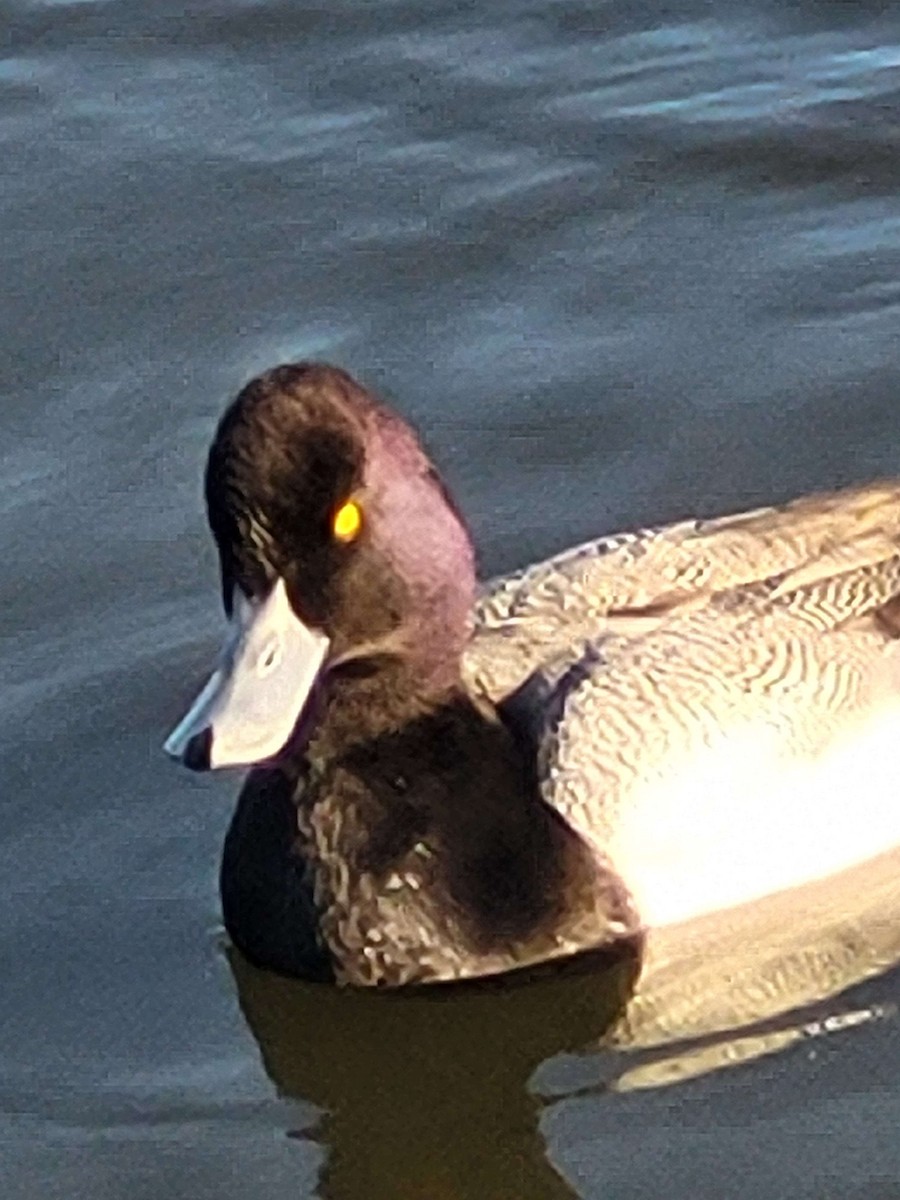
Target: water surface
(621, 263)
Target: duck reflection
(733, 986)
(433, 1092)
(425, 1092)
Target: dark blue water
(620, 262)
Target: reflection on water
(438, 1092)
(729, 970)
(425, 1093)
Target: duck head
(338, 545)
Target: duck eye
(347, 522)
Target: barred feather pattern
(742, 690)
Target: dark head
(338, 542)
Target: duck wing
(629, 584)
(745, 742)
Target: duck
(450, 780)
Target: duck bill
(253, 700)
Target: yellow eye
(347, 522)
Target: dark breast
(267, 900)
(436, 859)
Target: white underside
(741, 819)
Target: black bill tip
(197, 752)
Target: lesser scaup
(449, 783)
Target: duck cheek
(370, 602)
(254, 699)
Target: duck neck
(369, 698)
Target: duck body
(643, 729)
(746, 685)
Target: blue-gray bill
(254, 698)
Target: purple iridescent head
(337, 541)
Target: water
(621, 263)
